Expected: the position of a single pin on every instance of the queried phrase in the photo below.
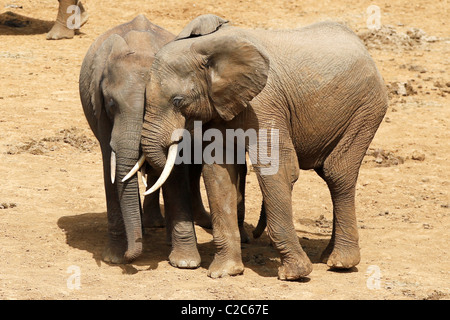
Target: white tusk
(144, 176)
(135, 169)
(171, 157)
(113, 166)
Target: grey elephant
(71, 17)
(112, 90)
(315, 89)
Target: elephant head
(118, 74)
(207, 73)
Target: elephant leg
(179, 221)
(117, 240)
(277, 197)
(201, 217)
(68, 20)
(343, 249)
(152, 217)
(221, 186)
(242, 174)
(340, 172)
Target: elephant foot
(341, 258)
(185, 259)
(117, 253)
(220, 268)
(114, 254)
(60, 31)
(295, 268)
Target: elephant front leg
(179, 220)
(221, 186)
(277, 202)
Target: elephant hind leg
(242, 174)
(342, 251)
(201, 217)
(340, 172)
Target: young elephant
(112, 90)
(318, 86)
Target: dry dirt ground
(53, 216)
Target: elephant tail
(262, 223)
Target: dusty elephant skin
(317, 85)
(112, 89)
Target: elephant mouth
(170, 162)
(135, 169)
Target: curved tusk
(135, 169)
(113, 166)
(171, 157)
(144, 176)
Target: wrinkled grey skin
(112, 90)
(317, 85)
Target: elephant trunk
(127, 154)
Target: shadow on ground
(16, 24)
(88, 232)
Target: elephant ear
(113, 46)
(237, 71)
(202, 25)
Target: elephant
(68, 21)
(112, 90)
(315, 89)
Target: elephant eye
(110, 106)
(177, 101)
(110, 103)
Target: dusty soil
(53, 216)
